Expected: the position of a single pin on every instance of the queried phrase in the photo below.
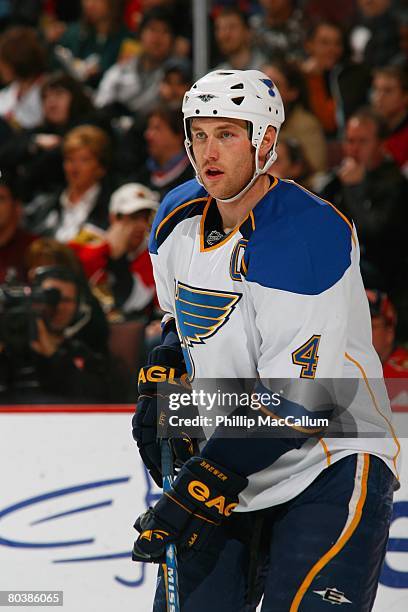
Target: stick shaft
(170, 567)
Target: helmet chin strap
(258, 172)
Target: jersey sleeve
(297, 288)
(184, 200)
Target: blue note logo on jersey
(200, 314)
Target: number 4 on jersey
(307, 357)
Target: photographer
(41, 355)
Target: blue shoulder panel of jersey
(182, 202)
(301, 243)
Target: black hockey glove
(164, 375)
(202, 496)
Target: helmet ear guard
(236, 94)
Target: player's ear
(267, 142)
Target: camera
(20, 307)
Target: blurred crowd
(91, 138)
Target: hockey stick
(170, 567)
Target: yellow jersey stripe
(360, 367)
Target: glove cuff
(159, 380)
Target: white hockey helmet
(249, 95)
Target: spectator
(300, 124)
(134, 84)
(20, 12)
(118, 264)
(384, 321)
(35, 154)
(85, 199)
(135, 9)
(176, 81)
(278, 32)
(14, 241)
(375, 38)
(291, 162)
(46, 252)
(342, 12)
(50, 361)
(336, 87)
(369, 188)
(401, 59)
(233, 38)
(390, 101)
(62, 10)
(22, 66)
(89, 47)
(167, 165)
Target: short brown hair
(95, 139)
(21, 49)
(366, 113)
(80, 104)
(173, 117)
(116, 10)
(395, 72)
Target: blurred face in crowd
(284, 167)
(403, 40)
(231, 34)
(57, 105)
(9, 209)
(372, 8)
(362, 142)
(139, 225)
(383, 337)
(7, 74)
(95, 11)
(82, 169)
(388, 98)
(217, 146)
(172, 88)
(162, 142)
(275, 6)
(325, 46)
(149, 4)
(66, 308)
(157, 40)
(288, 93)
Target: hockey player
(260, 279)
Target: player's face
(224, 155)
(388, 98)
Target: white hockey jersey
(281, 296)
